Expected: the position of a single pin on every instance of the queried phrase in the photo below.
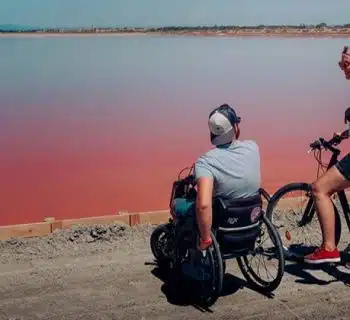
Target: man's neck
(227, 145)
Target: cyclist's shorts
(344, 166)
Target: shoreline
(50, 224)
(295, 34)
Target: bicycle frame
(310, 208)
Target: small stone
(13, 241)
(101, 230)
(94, 234)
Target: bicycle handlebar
(321, 142)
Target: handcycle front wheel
(159, 242)
(274, 252)
(296, 219)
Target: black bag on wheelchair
(236, 223)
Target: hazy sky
(172, 12)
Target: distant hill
(16, 27)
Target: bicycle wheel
(159, 242)
(273, 253)
(296, 220)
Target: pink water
(94, 132)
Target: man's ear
(236, 130)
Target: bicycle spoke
(289, 210)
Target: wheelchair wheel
(159, 242)
(202, 273)
(273, 254)
(210, 296)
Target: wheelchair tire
(157, 246)
(251, 276)
(218, 273)
(203, 292)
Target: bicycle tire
(251, 276)
(305, 187)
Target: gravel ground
(106, 272)
(80, 241)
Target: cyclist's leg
(335, 179)
(331, 182)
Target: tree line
(178, 28)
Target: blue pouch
(184, 207)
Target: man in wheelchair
(230, 171)
(225, 199)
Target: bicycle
(291, 248)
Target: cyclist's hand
(347, 116)
(344, 63)
(337, 134)
(342, 135)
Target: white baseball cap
(221, 122)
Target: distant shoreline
(319, 30)
(219, 33)
(66, 34)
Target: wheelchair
(238, 229)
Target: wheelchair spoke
(258, 264)
(250, 260)
(266, 255)
(259, 259)
(267, 271)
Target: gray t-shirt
(235, 169)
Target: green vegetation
(181, 29)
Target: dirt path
(105, 274)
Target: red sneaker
(320, 255)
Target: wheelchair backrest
(237, 215)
